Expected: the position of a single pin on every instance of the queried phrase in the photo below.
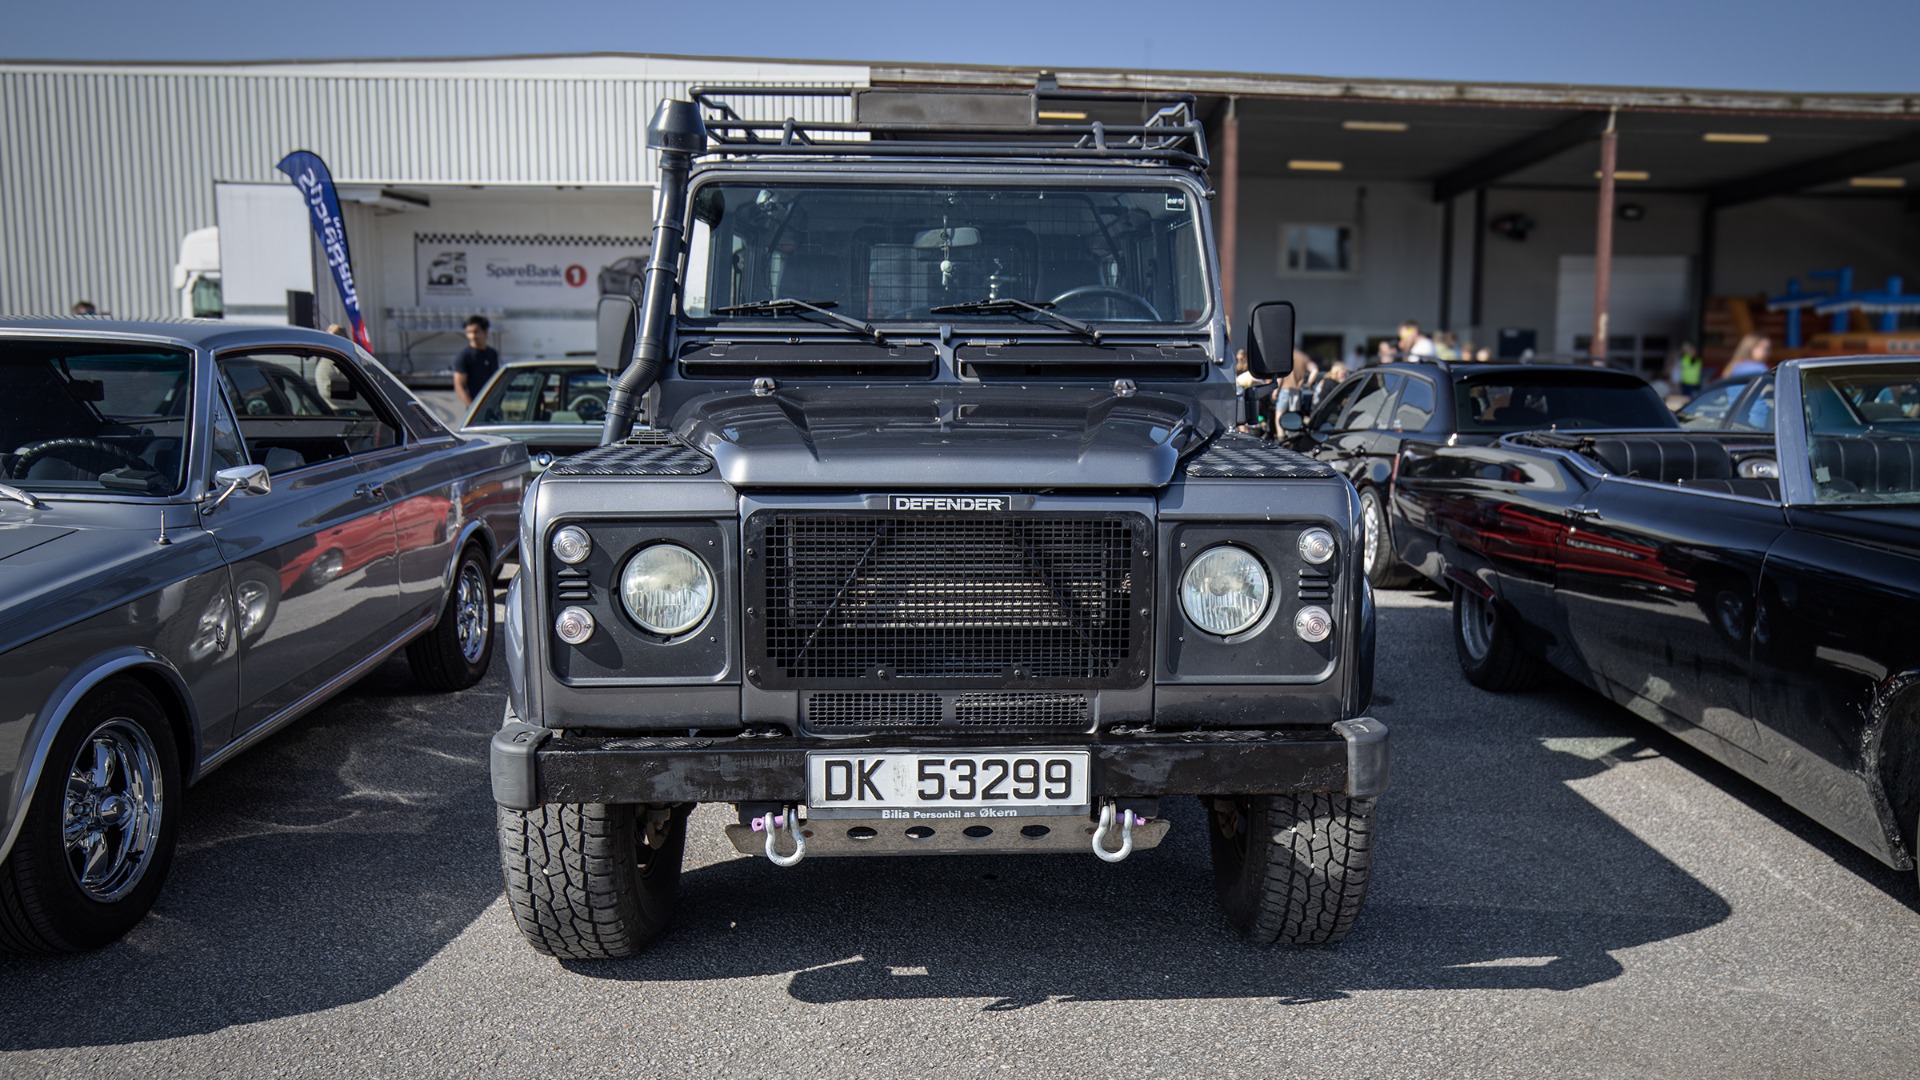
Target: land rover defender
(941, 539)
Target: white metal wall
(103, 170)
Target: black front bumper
(531, 766)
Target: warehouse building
(517, 186)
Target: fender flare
(70, 692)
(474, 528)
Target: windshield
(893, 253)
(1863, 432)
(545, 395)
(1525, 401)
(93, 417)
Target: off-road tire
(43, 909)
(1384, 567)
(581, 883)
(1291, 869)
(1486, 642)
(441, 658)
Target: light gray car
(205, 531)
(552, 407)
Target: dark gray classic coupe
(205, 531)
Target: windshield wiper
(789, 306)
(15, 493)
(1010, 306)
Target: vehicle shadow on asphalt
(1492, 873)
(320, 868)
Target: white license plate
(947, 785)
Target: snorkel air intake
(678, 133)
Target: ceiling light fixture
(1299, 165)
(1374, 125)
(1626, 174)
(1749, 138)
(1885, 182)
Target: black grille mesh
(1022, 710)
(1033, 597)
(861, 712)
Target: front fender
(68, 693)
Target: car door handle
(371, 492)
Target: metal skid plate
(947, 836)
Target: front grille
(1028, 600)
(848, 712)
(1022, 710)
(865, 712)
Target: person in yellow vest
(1690, 371)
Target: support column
(1703, 287)
(1603, 240)
(1476, 318)
(1446, 265)
(1230, 211)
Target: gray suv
(941, 540)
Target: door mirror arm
(244, 479)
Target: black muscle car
(1772, 622)
(1363, 427)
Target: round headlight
(574, 625)
(1312, 623)
(667, 589)
(571, 544)
(1225, 590)
(1316, 545)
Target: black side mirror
(1270, 339)
(1291, 424)
(618, 320)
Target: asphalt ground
(1560, 889)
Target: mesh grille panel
(851, 596)
(835, 712)
(1022, 710)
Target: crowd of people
(1264, 401)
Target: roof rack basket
(1044, 123)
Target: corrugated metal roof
(104, 169)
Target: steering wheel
(588, 407)
(75, 449)
(1108, 292)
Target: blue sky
(1850, 45)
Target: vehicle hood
(945, 437)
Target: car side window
(1364, 408)
(1415, 407)
(1333, 407)
(300, 407)
(1755, 413)
(228, 449)
(1707, 410)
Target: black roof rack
(924, 122)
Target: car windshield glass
(879, 253)
(1863, 432)
(545, 395)
(1525, 401)
(93, 417)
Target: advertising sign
(555, 275)
(310, 175)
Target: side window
(1756, 413)
(1707, 410)
(1334, 406)
(228, 450)
(1416, 405)
(300, 408)
(1363, 409)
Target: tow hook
(772, 825)
(1127, 819)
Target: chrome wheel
(111, 818)
(1476, 624)
(473, 612)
